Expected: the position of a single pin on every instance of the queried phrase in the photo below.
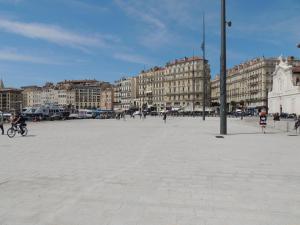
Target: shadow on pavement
(28, 136)
(245, 133)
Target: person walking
(165, 118)
(1, 122)
(297, 123)
(263, 120)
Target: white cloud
(83, 6)
(132, 58)
(155, 33)
(54, 34)
(11, 1)
(13, 55)
(163, 20)
(132, 10)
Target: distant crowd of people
(19, 120)
(263, 115)
(141, 115)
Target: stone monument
(285, 94)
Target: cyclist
(19, 121)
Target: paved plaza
(144, 172)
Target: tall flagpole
(223, 100)
(194, 81)
(204, 92)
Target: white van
(85, 114)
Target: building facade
(126, 92)
(10, 99)
(31, 96)
(285, 94)
(80, 94)
(248, 83)
(87, 97)
(107, 99)
(183, 83)
(47, 95)
(158, 88)
(145, 88)
(77, 94)
(117, 96)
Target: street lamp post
(223, 100)
(298, 46)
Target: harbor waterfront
(135, 171)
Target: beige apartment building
(135, 92)
(126, 92)
(183, 83)
(158, 88)
(10, 99)
(31, 96)
(248, 83)
(77, 94)
(82, 94)
(107, 99)
(117, 96)
(87, 97)
(49, 94)
(177, 85)
(145, 88)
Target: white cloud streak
(155, 33)
(53, 34)
(132, 10)
(81, 6)
(12, 55)
(132, 58)
(11, 1)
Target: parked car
(74, 116)
(154, 113)
(7, 116)
(137, 113)
(105, 114)
(56, 116)
(292, 116)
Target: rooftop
(184, 60)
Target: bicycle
(11, 132)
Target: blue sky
(53, 40)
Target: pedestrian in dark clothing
(297, 123)
(1, 122)
(263, 120)
(165, 118)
